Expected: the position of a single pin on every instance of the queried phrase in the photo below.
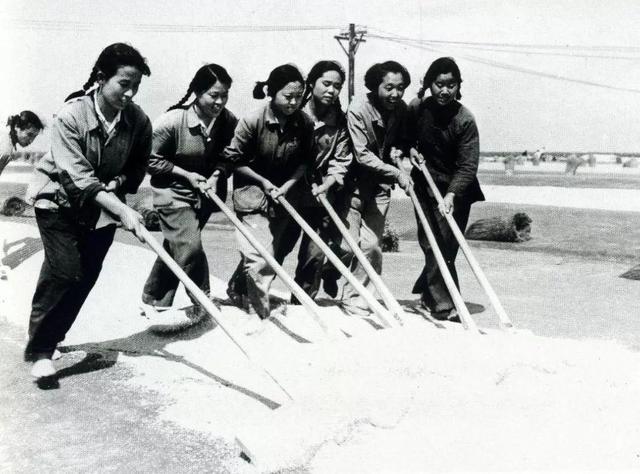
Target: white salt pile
(413, 399)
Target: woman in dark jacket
(444, 134)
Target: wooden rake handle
(310, 305)
(465, 317)
(383, 315)
(505, 321)
(203, 299)
(390, 302)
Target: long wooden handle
(505, 321)
(383, 315)
(202, 298)
(465, 317)
(390, 302)
(310, 305)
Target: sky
(48, 48)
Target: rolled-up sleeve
(77, 175)
(363, 155)
(468, 157)
(164, 144)
(137, 164)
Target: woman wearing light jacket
(188, 142)
(100, 145)
(376, 125)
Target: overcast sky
(45, 58)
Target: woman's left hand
(114, 185)
(211, 183)
(446, 206)
(280, 191)
(324, 187)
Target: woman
(332, 158)
(376, 126)
(188, 142)
(270, 151)
(443, 132)
(22, 129)
(100, 145)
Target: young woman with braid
(188, 141)
(21, 130)
(100, 145)
(444, 134)
(332, 159)
(270, 151)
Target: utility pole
(353, 38)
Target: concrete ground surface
(398, 400)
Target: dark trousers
(430, 283)
(312, 263)
(182, 231)
(73, 256)
(253, 276)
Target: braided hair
(110, 60)
(23, 120)
(202, 81)
(444, 65)
(316, 73)
(278, 78)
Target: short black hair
(375, 74)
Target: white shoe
(43, 368)
(171, 319)
(152, 312)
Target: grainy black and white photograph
(332, 236)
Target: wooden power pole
(353, 38)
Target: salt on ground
(401, 400)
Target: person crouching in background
(22, 129)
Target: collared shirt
(271, 151)
(373, 139)
(331, 145)
(448, 139)
(108, 127)
(181, 139)
(80, 162)
(7, 148)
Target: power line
(618, 48)
(58, 25)
(510, 67)
(548, 53)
